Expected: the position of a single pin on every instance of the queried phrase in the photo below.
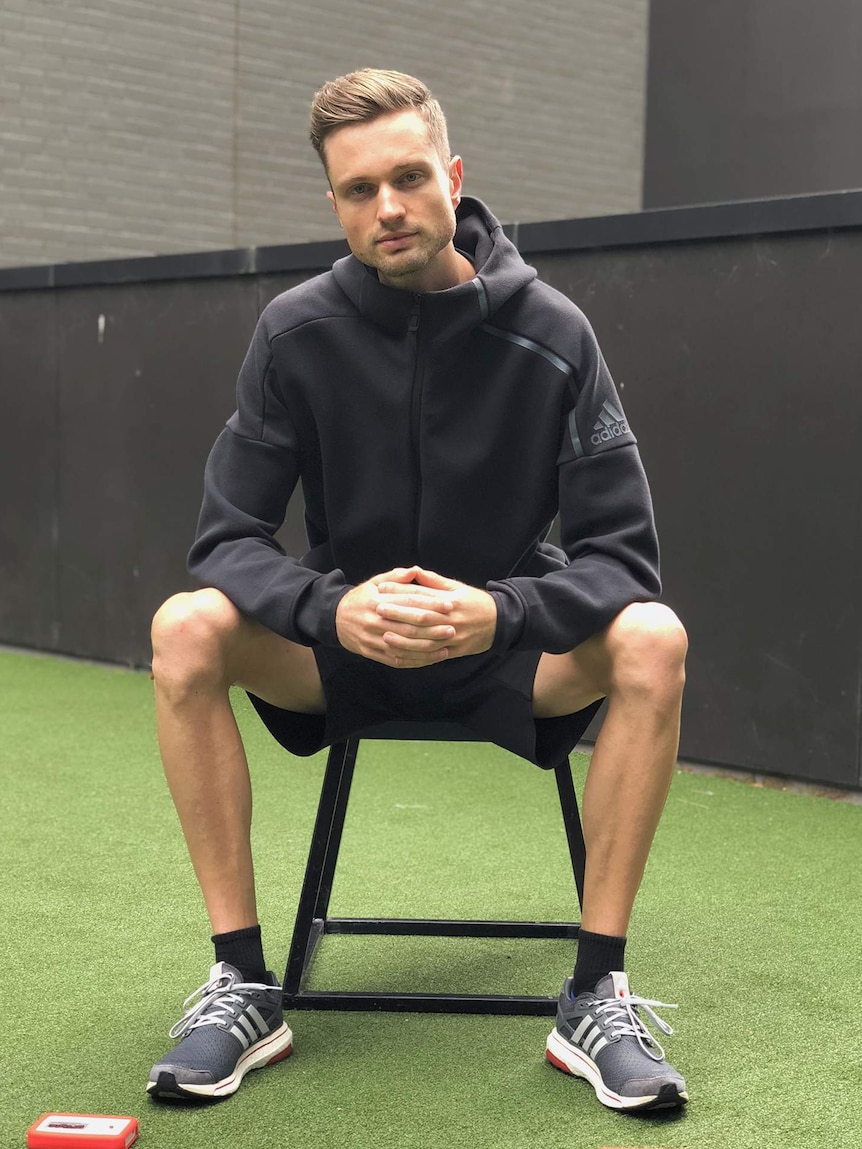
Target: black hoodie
(446, 429)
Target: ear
(456, 179)
(330, 195)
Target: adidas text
(614, 431)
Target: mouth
(388, 241)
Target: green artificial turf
(750, 917)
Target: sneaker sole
(573, 1061)
(276, 1047)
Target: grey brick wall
(135, 127)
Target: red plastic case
(81, 1131)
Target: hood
(500, 272)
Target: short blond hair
(362, 96)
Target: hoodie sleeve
(607, 529)
(250, 474)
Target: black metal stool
(312, 920)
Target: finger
(414, 610)
(435, 580)
(398, 575)
(407, 659)
(420, 637)
(419, 595)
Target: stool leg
(572, 823)
(333, 842)
(322, 856)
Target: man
(440, 406)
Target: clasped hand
(411, 617)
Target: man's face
(396, 199)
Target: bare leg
(638, 664)
(201, 646)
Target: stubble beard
(404, 264)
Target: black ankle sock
(243, 950)
(598, 954)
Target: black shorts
(490, 694)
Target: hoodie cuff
(511, 616)
(314, 617)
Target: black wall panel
(28, 470)
(146, 378)
(739, 367)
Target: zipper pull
(414, 315)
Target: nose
(389, 204)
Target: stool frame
(313, 920)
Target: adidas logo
(594, 1041)
(250, 1027)
(611, 424)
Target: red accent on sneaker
(281, 1056)
(556, 1061)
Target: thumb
(437, 581)
(397, 574)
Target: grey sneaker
(600, 1036)
(229, 1027)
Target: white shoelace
(212, 1003)
(624, 1020)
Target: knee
(649, 646)
(190, 633)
